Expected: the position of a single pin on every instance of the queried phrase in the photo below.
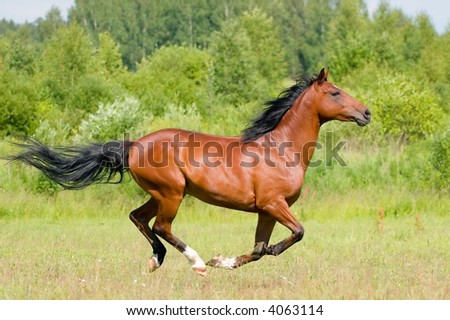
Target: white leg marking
(228, 263)
(220, 262)
(194, 258)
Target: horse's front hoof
(200, 271)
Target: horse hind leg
(163, 228)
(264, 230)
(141, 218)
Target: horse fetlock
(273, 250)
(260, 249)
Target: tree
(50, 24)
(387, 46)
(108, 56)
(18, 98)
(403, 107)
(246, 63)
(66, 59)
(434, 65)
(18, 93)
(235, 74)
(74, 74)
(142, 26)
(313, 51)
(348, 40)
(172, 75)
(266, 45)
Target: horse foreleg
(281, 212)
(264, 230)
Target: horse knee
(138, 216)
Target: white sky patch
(437, 10)
(21, 11)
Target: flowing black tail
(77, 167)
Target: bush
(18, 99)
(440, 159)
(403, 108)
(406, 110)
(110, 121)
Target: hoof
(153, 264)
(200, 271)
(220, 262)
(215, 262)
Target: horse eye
(335, 93)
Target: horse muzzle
(364, 119)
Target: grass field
(374, 230)
(403, 257)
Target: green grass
(95, 258)
(81, 245)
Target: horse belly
(223, 189)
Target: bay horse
(261, 171)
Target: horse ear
(322, 76)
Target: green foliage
(70, 74)
(440, 159)
(18, 55)
(48, 26)
(348, 38)
(247, 58)
(172, 75)
(65, 61)
(144, 26)
(434, 65)
(235, 73)
(108, 56)
(111, 121)
(186, 117)
(404, 108)
(17, 103)
(317, 15)
(266, 45)
(386, 45)
(139, 66)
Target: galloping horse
(261, 171)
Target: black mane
(275, 109)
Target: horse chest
(293, 185)
(287, 183)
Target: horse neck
(299, 126)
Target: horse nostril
(367, 113)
